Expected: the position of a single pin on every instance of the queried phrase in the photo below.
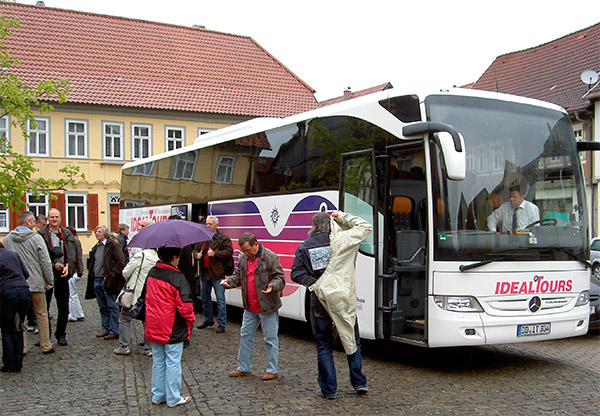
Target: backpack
(229, 266)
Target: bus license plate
(535, 329)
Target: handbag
(138, 310)
(125, 297)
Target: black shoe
(37, 343)
(50, 351)
(205, 325)
(10, 370)
(220, 329)
(62, 341)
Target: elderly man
(63, 253)
(32, 249)
(105, 280)
(261, 278)
(514, 214)
(211, 256)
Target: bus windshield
(516, 154)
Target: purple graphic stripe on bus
(254, 220)
(313, 203)
(247, 207)
(294, 234)
(300, 219)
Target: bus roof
(260, 124)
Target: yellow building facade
(99, 142)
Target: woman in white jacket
(135, 273)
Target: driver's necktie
(515, 223)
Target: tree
(20, 100)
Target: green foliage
(20, 100)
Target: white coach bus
(426, 171)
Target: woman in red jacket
(169, 319)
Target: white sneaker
(122, 350)
(183, 400)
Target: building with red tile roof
(137, 88)
(121, 62)
(549, 72)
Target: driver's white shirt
(527, 213)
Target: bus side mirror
(588, 146)
(455, 161)
(451, 142)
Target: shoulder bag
(125, 298)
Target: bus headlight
(457, 303)
(584, 298)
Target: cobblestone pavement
(87, 378)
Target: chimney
(347, 94)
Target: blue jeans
(207, 285)
(109, 311)
(166, 372)
(15, 301)
(323, 335)
(270, 326)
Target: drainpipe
(588, 127)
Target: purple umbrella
(171, 233)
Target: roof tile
(549, 72)
(134, 63)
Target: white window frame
(142, 139)
(497, 165)
(34, 135)
(4, 220)
(81, 139)
(578, 133)
(482, 161)
(180, 165)
(34, 206)
(106, 137)
(204, 130)
(177, 142)
(83, 206)
(222, 164)
(5, 131)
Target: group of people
(36, 262)
(324, 263)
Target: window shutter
(92, 206)
(58, 203)
(13, 215)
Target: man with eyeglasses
(261, 278)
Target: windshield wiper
(465, 267)
(576, 257)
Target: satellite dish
(589, 77)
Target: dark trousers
(61, 294)
(323, 335)
(13, 310)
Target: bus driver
(514, 214)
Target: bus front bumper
(448, 329)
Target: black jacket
(114, 262)
(311, 259)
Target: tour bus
(426, 171)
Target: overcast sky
(335, 44)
